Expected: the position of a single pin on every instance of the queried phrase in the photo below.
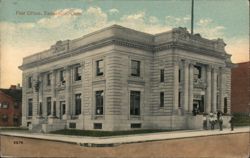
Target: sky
(30, 26)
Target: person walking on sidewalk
(232, 123)
(204, 121)
(211, 120)
(221, 122)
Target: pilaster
(35, 96)
(53, 92)
(208, 90)
(191, 86)
(214, 88)
(186, 86)
(67, 91)
(176, 85)
(222, 89)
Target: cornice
(178, 44)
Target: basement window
(72, 125)
(97, 125)
(135, 125)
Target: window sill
(98, 117)
(135, 117)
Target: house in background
(11, 106)
(241, 88)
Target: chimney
(12, 87)
(18, 86)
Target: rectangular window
(48, 105)
(179, 75)
(99, 102)
(135, 125)
(30, 104)
(78, 104)
(135, 102)
(99, 68)
(5, 105)
(72, 125)
(135, 68)
(161, 99)
(49, 79)
(4, 117)
(30, 82)
(179, 100)
(225, 105)
(97, 125)
(197, 72)
(162, 75)
(62, 76)
(78, 73)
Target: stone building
(121, 79)
(10, 106)
(240, 88)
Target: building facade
(240, 88)
(10, 106)
(121, 79)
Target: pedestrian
(221, 122)
(218, 114)
(211, 120)
(204, 121)
(232, 123)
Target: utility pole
(192, 17)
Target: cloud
(208, 29)
(113, 11)
(177, 21)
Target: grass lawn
(12, 129)
(103, 133)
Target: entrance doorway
(198, 104)
(62, 109)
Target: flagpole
(192, 17)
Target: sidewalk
(125, 139)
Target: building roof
(176, 38)
(16, 94)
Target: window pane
(30, 107)
(162, 75)
(78, 73)
(197, 72)
(30, 82)
(135, 103)
(99, 67)
(99, 102)
(62, 76)
(49, 106)
(48, 79)
(162, 99)
(135, 68)
(78, 104)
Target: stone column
(82, 96)
(214, 91)
(208, 90)
(40, 95)
(67, 92)
(53, 93)
(222, 83)
(191, 87)
(176, 86)
(35, 96)
(186, 85)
